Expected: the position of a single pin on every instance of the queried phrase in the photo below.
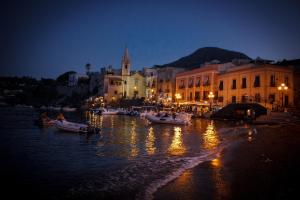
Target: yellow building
(166, 84)
(122, 83)
(226, 83)
(151, 84)
(194, 86)
(257, 83)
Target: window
(191, 82)
(205, 95)
(257, 97)
(257, 81)
(220, 99)
(116, 92)
(206, 81)
(191, 96)
(181, 85)
(233, 99)
(197, 96)
(233, 84)
(271, 98)
(221, 85)
(244, 82)
(125, 66)
(244, 99)
(198, 82)
(125, 82)
(286, 80)
(272, 81)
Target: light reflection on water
(133, 140)
(150, 142)
(210, 137)
(177, 146)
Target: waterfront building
(229, 83)
(115, 84)
(151, 84)
(166, 84)
(257, 83)
(194, 86)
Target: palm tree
(87, 67)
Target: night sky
(47, 38)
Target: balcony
(181, 86)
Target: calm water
(129, 159)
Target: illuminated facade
(194, 86)
(122, 83)
(231, 84)
(151, 83)
(256, 83)
(166, 84)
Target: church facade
(122, 83)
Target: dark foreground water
(129, 159)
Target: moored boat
(177, 119)
(71, 126)
(109, 112)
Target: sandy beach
(264, 165)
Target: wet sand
(263, 166)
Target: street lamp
(177, 96)
(210, 96)
(282, 88)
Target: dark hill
(206, 54)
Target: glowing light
(133, 140)
(216, 162)
(210, 137)
(178, 96)
(282, 87)
(211, 95)
(177, 146)
(150, 146)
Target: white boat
(68, 109)
(145, 113)
(178, 119)
(109, 111)
(71, 126)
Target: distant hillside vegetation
(206, 54)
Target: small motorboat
(109, 112)
(178, 119)
(65, 125)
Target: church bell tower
(125, 64)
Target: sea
(129, 159)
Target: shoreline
(262, 166)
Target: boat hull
(71, 127)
